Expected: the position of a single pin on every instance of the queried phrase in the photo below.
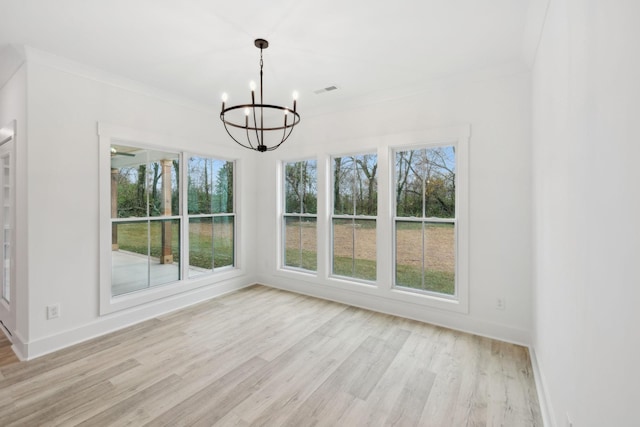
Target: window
(145, 221)
(355, 206)
(300, 215)
(425, 221)
(211, 217)
(167, 219)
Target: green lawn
(435, 281)
(132, 237)
(360, 269)
(307, 260)
(406, 276)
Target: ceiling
(198, 49)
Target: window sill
(336, 285)
(112, 304)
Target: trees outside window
(425, 221)
(300, 215)
(145, 218)
(355, 207)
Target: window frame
(184, 177)
(353, 217)
(459, 302)
(149, 219)
(424, 221)
(382, 294)
(112, 134)
(300, 215)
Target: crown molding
(536, 18)
(11, 59)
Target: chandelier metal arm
(284, 138)
(296, 117)
(250, 147)
(287, 130)
(249, 140)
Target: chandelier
(253, 121)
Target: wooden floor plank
(52, 400)
(7, 356)
(297, 383)
(266, 357)
(409, 405)
(118, 413)
(374, 364)
(203, 402)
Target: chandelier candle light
(255, 127)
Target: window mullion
(354, 191)
(301, 210)
(301, 243)
(422, 258)
(213, 244)
(183, 208)
(300, 190)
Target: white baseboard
(119, 320)
(19, 346)
(408, 310)
(113, 322)
(545, 408)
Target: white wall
(587, 211)
(498, 111)
(13, 106)
(65, 103)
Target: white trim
(19, 346)
(9, 307)
(533, 29)
(353, 217)
(295, 215)
(126, 318)
(543, 398)
(369, 288)
(13, 59)
(410, 309)
(459, 138)
(281, 215)
(324, 217)
(381, 288)
(384, 227)
(461, 290)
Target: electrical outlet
(53, 311)
(500, 303)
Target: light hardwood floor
(7, 356)
(262, 356)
